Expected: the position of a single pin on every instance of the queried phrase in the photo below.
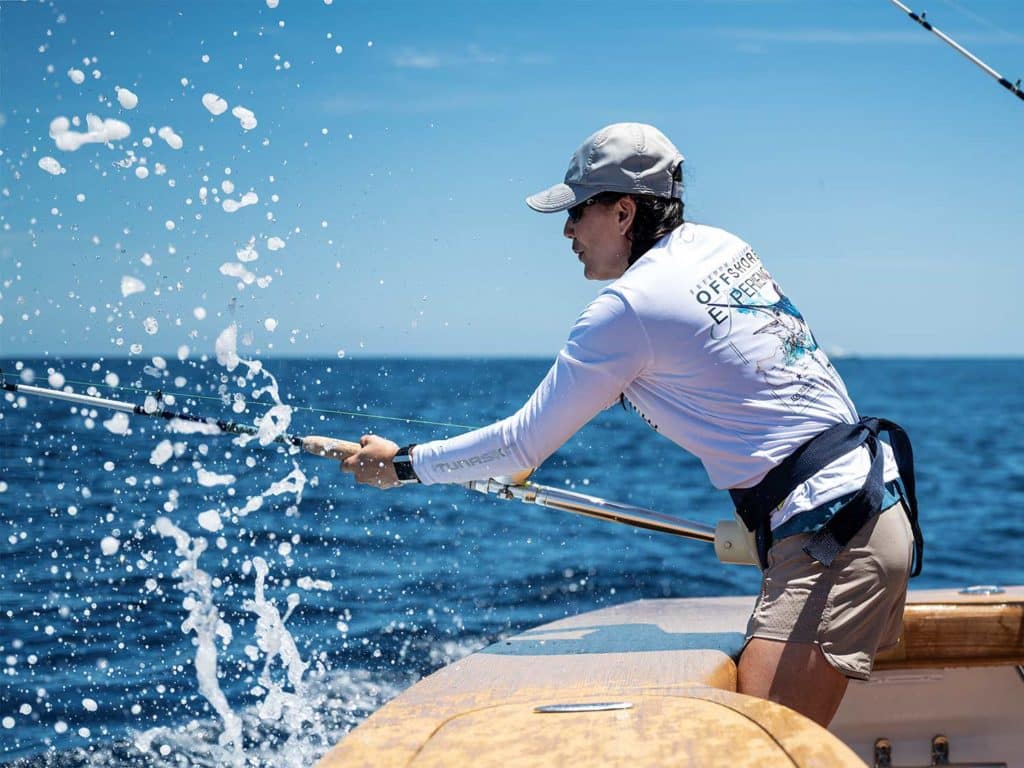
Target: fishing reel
(508, 487)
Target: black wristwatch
(403, 465)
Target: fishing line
(920, 19)
(331, 411)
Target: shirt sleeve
(606, 350)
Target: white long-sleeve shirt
(700, 339)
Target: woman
(699, 339)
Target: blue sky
(877, 173)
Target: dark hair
(655, 218)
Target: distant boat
(841, 353)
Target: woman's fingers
(372, 465)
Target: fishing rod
(732, 542)
(920, 19)
(155, 410)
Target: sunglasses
(576, 212)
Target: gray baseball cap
(632, 158)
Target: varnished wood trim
(957, 635)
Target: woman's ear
(626, 213)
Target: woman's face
(599, 239)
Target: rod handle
(329, 447)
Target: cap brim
(560, 197)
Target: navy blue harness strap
(755, 505)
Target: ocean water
(103, 612)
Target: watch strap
(403, 465)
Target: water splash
(277, 419)
(204, 620)
(290, 704)
(291, 708)
(294, 482)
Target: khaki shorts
(852, 609)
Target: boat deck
(954, 673)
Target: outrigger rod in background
(920, 19)
(732, 543)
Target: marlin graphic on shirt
(784, 322)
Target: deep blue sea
(96, 651)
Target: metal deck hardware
(596, 706)
(982, 589)
(940, 756)
(883, 753)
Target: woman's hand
(372, 465)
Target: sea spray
(204, 620)
(226, 347)
(273, 423)
(289, 706)
(292, 708)
(277, 419)
(294, 482)
(228, 736)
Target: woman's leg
(796, 675)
